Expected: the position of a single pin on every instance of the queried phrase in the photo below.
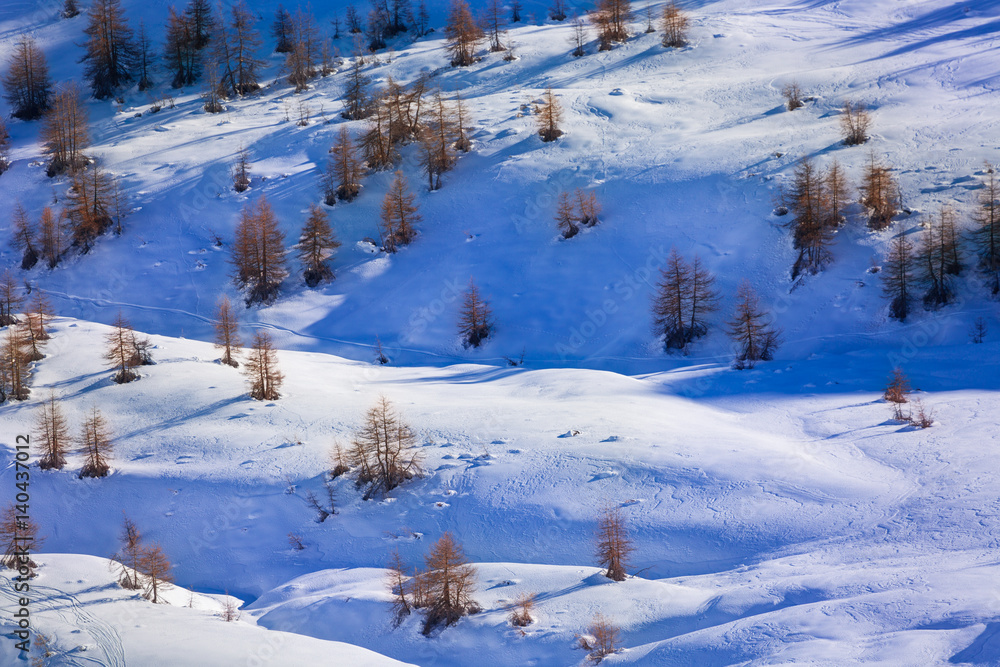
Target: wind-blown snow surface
(779, 518)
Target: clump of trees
(583, 211)
(126, 350)
(854, 123)
(141, 566)
(317, 244)
(110, 49)
(897, 277)
(879, 194)
(685, 296)
(442, 590)
(399, 215)
(342, 179)
(463, 33)
(20, 536)
(614, 546)
(602, 638)
(227, 332)
(15, 371)
(235, 45)
(475, 323)
(939, 260)
(751, 329)
(27, 85)
(986, 234)
(793, 96)
(53, 441)
(816, 200)
(674, 25)
(261, 368)
(549, 115)
(611, 18)
(258, 253)
(383, 452)
(64, 131)
(95, 445)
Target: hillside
(779, 515)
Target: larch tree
(227, 332)
(579, 38)
(836, 195)
(51, 237)
(129, 555)
(606, 637)
(938, 260)
(261, 368)
(14, 364)
(24, 238)
(614, 545)
(317, 245)
(495, 21)
(986, 235)
(684, 298)
(897, 277)
(343, 170)
(357, 97)
(353, 19)
(144, 59)
(611, 18)
(398, 583)
(587, 207)
(437, 140)
(70, 9)
(180, 53)
(11, 299)
(91, 209)
(110, 48)
(423, 19)
(854, 123)
(281, 30)
(39, 313)
(377, 143)
(449, 582)
(53, 441)
(301, 61)
(235, 51)
(566, 217)
(674, 25)
(202, 22)
(120, 352)
(515, 11)
(463, 34)
(65, 131)
(157, 570)
(27, 85)
(462, 141)
(95, 445)
(258, 253)
(549, 114)
(475, 323)
(879, 194)
(241, 170)
(20, 537)
(812, 233)
(751, 329)
(399, 215)
(383, 450)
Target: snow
(780, 516)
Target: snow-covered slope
(779, 517)
(685, 148)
